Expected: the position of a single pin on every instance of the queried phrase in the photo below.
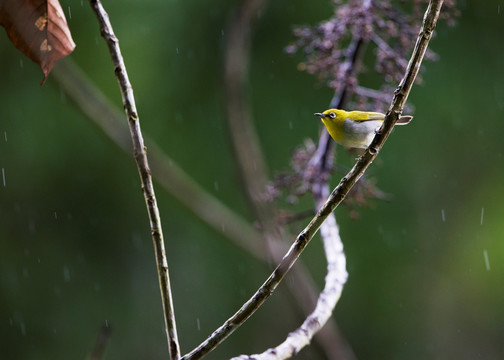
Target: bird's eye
(332, 115)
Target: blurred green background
(75, 250)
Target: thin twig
(372, 93)
(337, 195)
(385, 47)
(140, 155)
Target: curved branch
(140, 155)
(337, 195)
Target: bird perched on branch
(355, 129)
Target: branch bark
(140, 155)
(336, 196)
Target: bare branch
(140, 155)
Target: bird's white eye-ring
(332, 115)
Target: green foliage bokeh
(75, 250)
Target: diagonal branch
(140, 155)
(337, 195)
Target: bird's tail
(403, 120)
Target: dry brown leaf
(39, 29)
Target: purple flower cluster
(389, 28)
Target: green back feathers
(365, 115)
(341, 115)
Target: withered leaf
(39, 29)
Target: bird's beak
(319, 114)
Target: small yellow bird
(355, 129)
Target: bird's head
(333, 115)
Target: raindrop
(66, 273)
(290, 125)
(482, 214)
(198, 324)
(443, 215)
(216, 186)
(177, 50)
(55, 215)
(62, 95)
(69, 13)
(31, 226)
(5, 136)
(487, 262)
(21, 63)
(23, 328)
(137, 241)
(222, 32)
(3, 177)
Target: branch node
(373, 150)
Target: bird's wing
(366, 116)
